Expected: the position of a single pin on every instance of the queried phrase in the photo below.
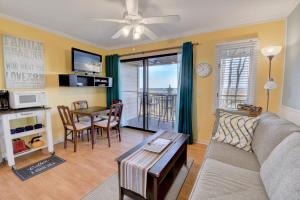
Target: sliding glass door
(149, 91)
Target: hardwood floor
(82, 171)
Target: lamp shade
(271, 51)
(270, 85)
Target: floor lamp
(270, 52)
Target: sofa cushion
(236, 130)
(269, 133)
(280, 173)
(217, 180)
(232, 155)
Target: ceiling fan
(134, 22)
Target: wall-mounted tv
(84, 61)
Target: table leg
(92, 131)
(121, 194)
(185, 155)
(75, 140)
(155, 189)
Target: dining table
(91, 112)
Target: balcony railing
(161, 106)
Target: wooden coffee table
(162, 174)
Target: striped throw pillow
(236, 130)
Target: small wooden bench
(162, 174)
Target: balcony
(160, 111)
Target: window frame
(251, 43)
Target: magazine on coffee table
(157, 145)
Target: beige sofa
(271, 171)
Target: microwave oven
(27, 99)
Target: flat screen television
(84, 61)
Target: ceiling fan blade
(149, 33)
(121, 31)
(121, 21)
(132, 7)
(161, 19)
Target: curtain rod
(156, 50)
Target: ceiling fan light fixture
(136, 35)
(126, 31)
(135, 23)
(139, 29)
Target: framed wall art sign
(23, 63)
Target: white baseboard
(201, 141)
(290, 114)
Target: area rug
(38, 167)
(109, 189)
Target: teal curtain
(186, 91)
(112, 70)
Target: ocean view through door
(148, 87)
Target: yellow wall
(268, 34)
(57, 60)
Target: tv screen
(83, 61)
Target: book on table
(157, 145)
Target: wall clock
(204, 70)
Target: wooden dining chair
(116, 101)
(71, 127)
(113, 121)
(81, 104)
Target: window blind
(236, 73)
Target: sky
(161, 76)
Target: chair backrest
(119, 112)
(66, 116)
(115, 113)
(116, 101)
(80, 104)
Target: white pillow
(236, 130)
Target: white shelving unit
(29, 151)
(6, 137)
(27, 133)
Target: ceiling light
(126, 31)
(271, 51)
(136, 36)
(139, 29)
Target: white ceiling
(69, 17)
